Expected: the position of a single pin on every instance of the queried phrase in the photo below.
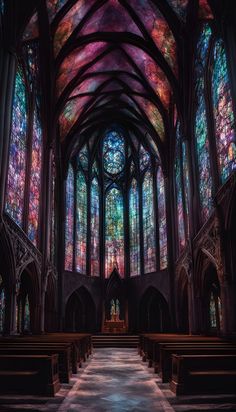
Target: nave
(117, 380)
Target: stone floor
(116, 380)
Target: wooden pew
(29, 374)
(63, 351)
(165, 364)
(193, 374)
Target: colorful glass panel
(114, 233)
(144, 158)
(180, 7)
(149, 245)
(54, 7)
(35, 179)
(83, 158)
(161, 202)
(213, 321)
(32, 29)
(69, 231)
(95, 250)
(204, 11)
(186, 190)
(201, 131)
(113, 152)
(27, 314)
(17, 155)
(223, 112)
(134, 229)
(81, 223)
(179, 192)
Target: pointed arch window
(134, 229)
(69, 230)
(81, 222)
(95, 210)
(224, 118)
(205, 182)
(179, 192)
(17, 155)
(114, 232)
(161, 202)
(149, 241)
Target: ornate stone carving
(24, 251)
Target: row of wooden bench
(39, 364)
(192, 364)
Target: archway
(153, 312)
(28, 301)
(80, 314)
(212, 316)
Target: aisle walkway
(116, 380)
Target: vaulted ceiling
(117, 60)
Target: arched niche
(153, 312)
(182, 302)
(28, 301)
(115, 290)
(211, 298)
(80, 313)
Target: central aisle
(116, 380)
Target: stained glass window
(134, 229)
(148, 224)
(17, 155)
(186, 185)
(114, 232)
(83, 158)
(69, 232)
(53, 202)
(95, 250)
(212, 311)
(113, 152)
(144, 158)
(81, 222)
(179, 192)
(201, 132)
(27, 314)
(223, 113)
(35, 179)
(161, 201)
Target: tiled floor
(116, 380)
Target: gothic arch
(29, 288)
(80, 313)
(153, 312)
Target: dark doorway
(154, 312)
(80, 312)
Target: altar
(114, 324)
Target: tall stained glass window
(149, 243)
(17, 155)
(114, 232)
(95, 250)
(186, 185)
(179, 192)
(81, 222)
(134, 229)
(161, 201)
(201, 132)
(35, 179)
(69, 232)
(113, 152)
(223, 112)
